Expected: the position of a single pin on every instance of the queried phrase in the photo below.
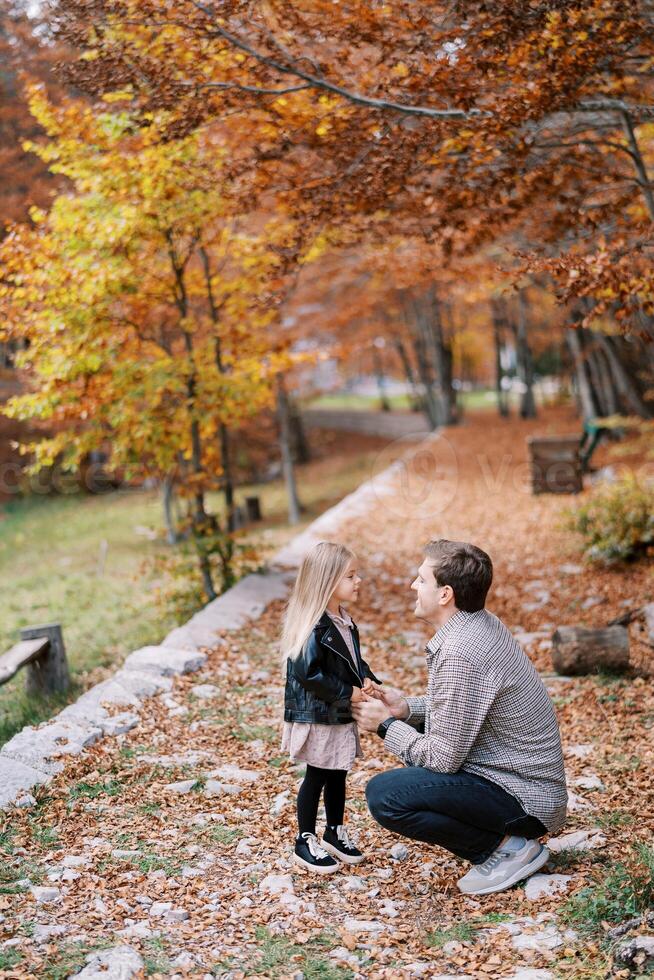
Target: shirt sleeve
(463, 698)
(417, 711)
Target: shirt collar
(344, 620)
(453, 624)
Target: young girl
(324, 674)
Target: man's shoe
(504, 868)
(309, 854)
(336, 841)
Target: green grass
(618, 892)
(279, 956)
(9, 958)
(155, 958)
(225, 835)
(69, 958)
(50, 569)
(462, 932)
(484, 398)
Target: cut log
(555, 464)
(577, 650)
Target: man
(484, 774)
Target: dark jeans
(464, 813)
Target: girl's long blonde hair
(320, 572)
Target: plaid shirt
(487, 712)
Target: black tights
(315, 780)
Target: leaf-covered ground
(200, 884)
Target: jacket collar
(326, 621)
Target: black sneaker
(336, 841)
(309, 854)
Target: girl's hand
(358, 695)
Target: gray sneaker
(504, 868)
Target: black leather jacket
(319, 681)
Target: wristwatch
(383, 727)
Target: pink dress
(325, 746)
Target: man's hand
(369, 714)
(370, 687)
(394, 700)
(358, 695)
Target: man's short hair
(466, 569)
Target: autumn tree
(144, 298)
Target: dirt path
(173, 840)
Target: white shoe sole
(525, 872)
(345, 858)
(317, 869)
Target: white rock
(185, 786)
(43, 934)
(69, 874)
(577, 803)
(25, 801)
(590, 781)
(176, 915)
(121, 723)
(157, 909)
(539, 886)
(528, 974)
(544, 939)
(280, 802)
(276, 884)
(243, 848)
(579, 840)
(205, 691)
(581, 751)
(76, 861)
(353, 883)
(42, 747)
(16, 777)
(387, 907)
(45, 895)
(593, 600)
(384, 873)
(184, 960)
(122, 853)
(363, 925)
(399, 852)
(571, 569)
(214, 787)
(234, 774)
(138, 930)
(117, 963)
(165, 660)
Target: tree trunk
(287, 456)
(300, 448)
(588, 407)
(414, 399)
(384, 403)
(576, 650)
(442, 358)
(168, 495)
(499, 320)
(525, 362)
(200, 519)
(430, 402)
(624, 385)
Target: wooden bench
(556, 464)
(41, 649)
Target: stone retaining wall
(34, 755)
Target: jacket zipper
(347, 660)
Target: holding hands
(374, 704)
